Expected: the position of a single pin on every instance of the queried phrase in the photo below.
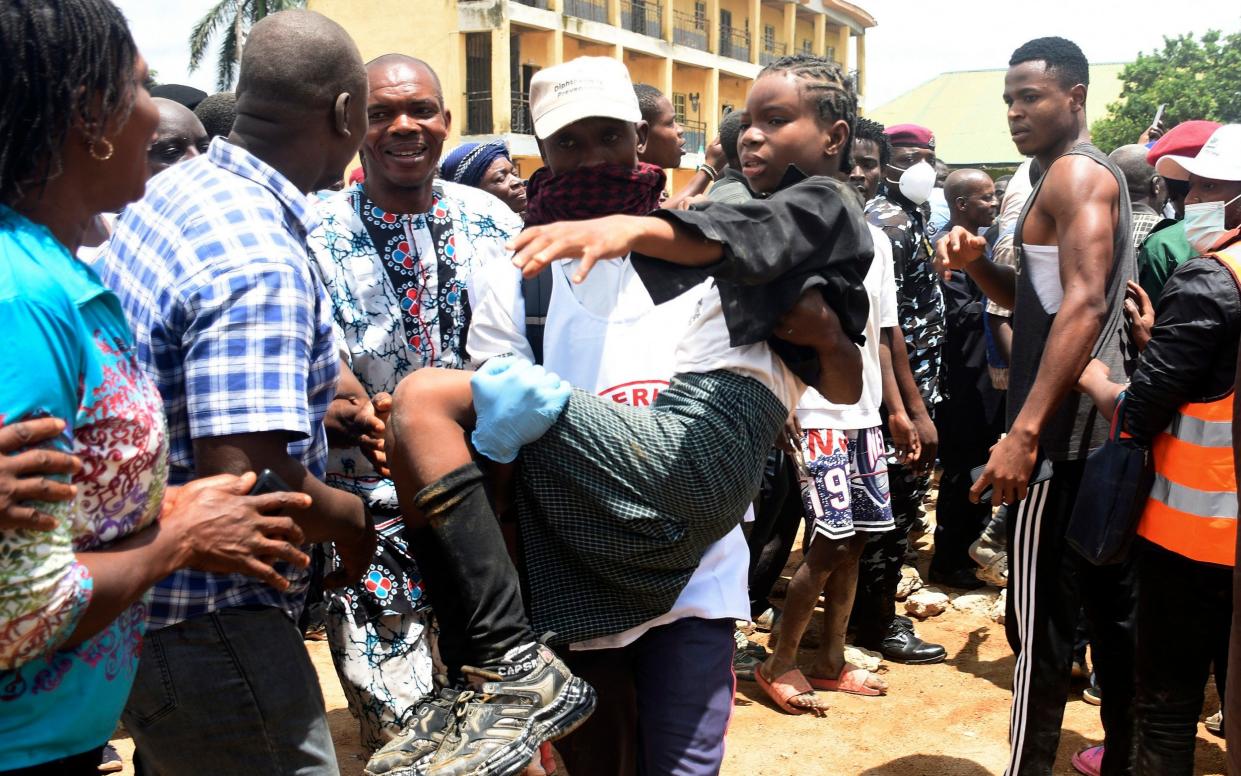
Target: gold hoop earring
(106, 155)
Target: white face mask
(1204, 223)
(916, 182)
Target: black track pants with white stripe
(1048, 582)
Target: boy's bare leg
(428, 433)
(817, 568)
(838, 593)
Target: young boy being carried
(617, 504)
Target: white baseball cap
(578, 89)
(1219, 159)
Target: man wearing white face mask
(902, 212)
(1180, 403)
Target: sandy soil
(942, 720)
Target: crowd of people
(539, 446)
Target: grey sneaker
(993, 562)
(409, 754)
(497, 729)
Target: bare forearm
(998, 282)
(659, 239)
(891, 391)
(904, 375)
(840, 371)
(334, 514)
(122, 573)
(1002, 333)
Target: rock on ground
(925, 603)
(911, 582)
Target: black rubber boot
(468, 572)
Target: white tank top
(606, 335)
(1043, 264)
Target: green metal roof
(965, 111)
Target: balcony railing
(593, 10)
(690, 30)
(522, 122)
(695, 136)
(544, 4)
(478, 113)
(735, 43)
(644, 17)
(771, 52)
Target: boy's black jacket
(809, 234)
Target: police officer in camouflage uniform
(901, 211)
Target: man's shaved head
(385, 66)
(971, 198)
(301, 97)
(1143, 182)
(300, 59)
(962, 183)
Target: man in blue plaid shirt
(232, 323)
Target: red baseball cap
(915, 135)
(1185, 139)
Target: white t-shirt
(814, 411)
(606, 335)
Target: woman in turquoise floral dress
(75, 124)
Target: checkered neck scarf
(591, 192)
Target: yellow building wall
(740, 10)
(733, 92)
(805, 31)
(536, 46)
(645, 69)
(577, 47)
(770, 17)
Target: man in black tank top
(1067, 297)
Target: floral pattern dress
(70, 355)
(398, 285)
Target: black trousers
(958, 521)
(1184, 618)
(1048, 584)
(879, 568)
(777, 516)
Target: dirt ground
(949, 719)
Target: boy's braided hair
(834, 90)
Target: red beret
(357, 175)
(1185, 139)
(912, 135)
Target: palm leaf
(207, 27)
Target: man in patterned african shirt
(920, 310)
(396, 253)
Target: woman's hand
(222, 529)
(27, 475)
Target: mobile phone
(269, 482)
(1159, 114)
(1041, 473)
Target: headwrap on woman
(467, 163)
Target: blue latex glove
(516, 402)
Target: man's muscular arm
(1078, 205)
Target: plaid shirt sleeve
(248, 350)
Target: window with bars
(700, 16)
(769, 37)
(478, 83)
(807, 46)
(678, 106)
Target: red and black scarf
(592, 192)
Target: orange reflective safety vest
(1192, 509)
